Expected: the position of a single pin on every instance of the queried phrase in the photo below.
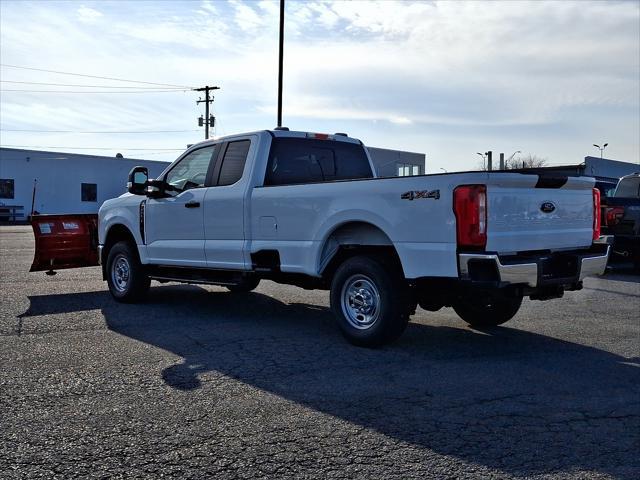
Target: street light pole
(484, 159)
(601, 148)
(513, 155)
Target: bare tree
(524, 161)
(527, 161)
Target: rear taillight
(613, 216)
(470, 207)
(597, 214)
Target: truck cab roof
(282, 133)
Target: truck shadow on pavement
(512, 400)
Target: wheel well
(117, 233)
(356, 238)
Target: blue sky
(445, 78)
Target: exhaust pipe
(622, 254)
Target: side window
(233, 162)
(6, 188)
(89, 192)
(191, 171)
(408, 169)
(294, 160)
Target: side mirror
(138, 178)
(156, 188)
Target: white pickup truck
(307, 209)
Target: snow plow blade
(64, 241)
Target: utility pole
(502, 161)
(281, 42)
(489, 155)
(208, 119)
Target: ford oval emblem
(547, 207)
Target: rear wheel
(246, 285)
(126, 278)
(370, 301)
(487, 309)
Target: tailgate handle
(192, 204)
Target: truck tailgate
(528, 212)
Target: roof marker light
(319, 136)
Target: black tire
(379, 312)
(487, 309)
(128, 283)
(246, 285)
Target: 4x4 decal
(415, 194)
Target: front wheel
(487, 309)
(126, 278)
(369, 300)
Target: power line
(93, 76)
(95, 148)
(174, 90)
(84, 86)
(98, 131)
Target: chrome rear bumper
(535, 271)
(596, 265)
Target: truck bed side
(416, 215)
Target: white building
(64, 182)
(75, 183)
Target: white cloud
(208, 8)
(246, 17)
(400, 120)
(477, 69)
(88, 15)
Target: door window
(233, 163)
(191, 171)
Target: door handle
(192, 204)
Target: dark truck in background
(621, 219)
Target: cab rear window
(300, 160)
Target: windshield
(628, 187)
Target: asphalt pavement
(200, 383)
